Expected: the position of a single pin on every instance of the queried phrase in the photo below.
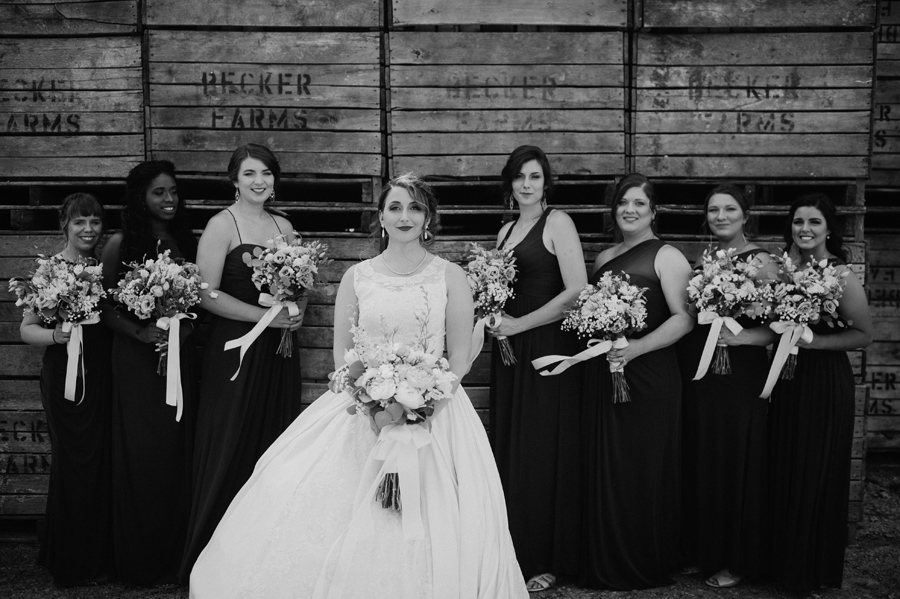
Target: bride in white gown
(307, 523)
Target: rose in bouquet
(724, 289)
(609, 310)
(288, 267)
(491, 274)
(394, 384)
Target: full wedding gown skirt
(307, 524)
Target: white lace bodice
(404, 309)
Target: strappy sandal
(541, 582)
(723, 579)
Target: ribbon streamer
(174, 393)
(595, 348)
(275, 305)
(75, 359)
(489, 321)
(398, 446)
(711, 318)
(791, 333)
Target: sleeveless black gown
(534, 427)
(631, 529)
(76, 540)
(237, 420)
(151, 458)
(810, 439)
(724, 456)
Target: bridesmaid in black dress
(631, 531)
(724, 424)
(151, 451)
(76, 542)
(534, 419)
(238, 420)
(811, 421)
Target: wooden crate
(71, 107)
(582, 13)
(72, 17)
(461, 102)
(769, 105)
(883, 367)
(757, 13)
(313, 98)
(886, 116)
(265, 13)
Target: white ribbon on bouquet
(174, 392)
(711, 318)
(595, 348)
(478, 334)
(791, 333)
(75, 359)
(275, 306)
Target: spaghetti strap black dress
(236, 420)
(534, 427)
(724, 456)
(633, 461)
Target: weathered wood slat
(508, 120)
(488, 143)
(759, 13)
(21, 360)
(318, 163)
(752, 122)
(196, 95)
(265, 13)
(506, 48)
(69, 18)
(22, 505)
(603, 13)
(465, 165)
(243, 76)
(889, 11)
(278, 141)
(316, 119)
(25, 463)
(269, 47)
(712, 167)
(82, 79)
(69, 100)
(70, 53)
(72, 145)
(19, 395)
(61, 123)
(507, 75)
(67, 166)
(24, 484)
(752, 144)
(793, 99)
(474, 98)
(743, 76)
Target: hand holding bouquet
(724, 289)
(491, 274)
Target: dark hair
(514, 163)
(258, 151)
(138, 238)
(627, 182)
(78, 204)
(834, 243)
(422, 194)
(728, 189)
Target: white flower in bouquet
(491, 274)
(61, 291)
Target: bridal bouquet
(609, 310)
(491, 274)
(59, 290)
(288, 267)
(394, 384)
(724, 289)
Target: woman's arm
(567, 247)
(34, 333)
(854, 308)
(346, 310)
(460, 318)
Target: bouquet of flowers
(393, 383)
(724, 289)
(491, 274)
(59, 290)
(609, 310)
(160, 288)
(289, 268)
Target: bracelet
(53, 336)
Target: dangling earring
(426, 236)
(511, 205)
(272, 196)
(827, 237)
(237, 195)
(382, 230)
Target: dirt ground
(872, 568)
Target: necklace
(404, 274)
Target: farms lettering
(888, 34)
(36, 90)
(25, 463)
(265, 83)
(258, 118)
(43, 123)
(882, 115)
(525, 88)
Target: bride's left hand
(507, 328)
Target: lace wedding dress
(306, 524)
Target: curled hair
(728, 189)
(258, 151)
(627, 182)
(834, 243)
(78, 204)
(514, 164)
(422, 194)
(138, 238)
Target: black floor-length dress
(724, 456)
(76, 541)
(631, 531)
(237, 420)
(810, 439)
(534, 427)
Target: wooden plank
(71, 100)
(24, 432)
(319, 163)
(741, 121)
(754, 100)
(277, 141)
(264, 13)
(83, 79)
(29, 123)
(883, 441)
(21, 360)
(508, 120)
(582, 13)
(293, 96)
(821, 48)
(68, 18)
(24, 484)
(298, 48)
(759, 13)
(243, 77)
(25, 463)
(72, 145)
(70, 53)
(475, 98)
(889, 11)
(409, 47)
(820, 167)
(507, 75)
(883, 381)
(487, 143)
(19, 395)
(74, 167)
(22, 505)
(747, 76)
(752, 144)
(315, 119)
(483, 165)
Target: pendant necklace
(404, 274)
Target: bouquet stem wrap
(791, 333)
(506, 350)
(275, 306)
(75, 359)
(174, 392)
(620, 385)
(723, 364)
(398, 446)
